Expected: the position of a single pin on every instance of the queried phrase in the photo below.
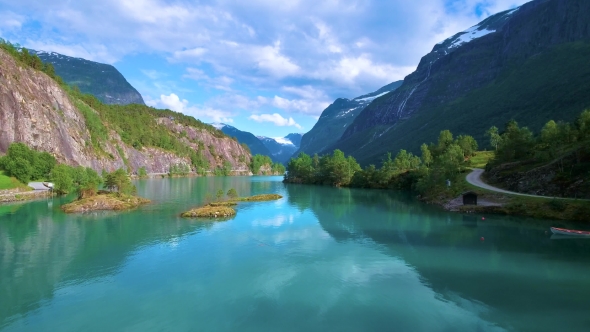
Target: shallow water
(320, 259)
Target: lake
(320, 259)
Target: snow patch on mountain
(219, 126)
(366, 99)
(283, 141)
(469, 35)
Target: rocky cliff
(529, 64)
(35, 110)
(103, 81)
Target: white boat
(570, 232)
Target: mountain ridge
(337, 116)
(37, 111)
(101, 80)
(491, 73)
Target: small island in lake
(224, 209)
(119, 196)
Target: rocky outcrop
(36, 111)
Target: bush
(232, 193)
(62, 179)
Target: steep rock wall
(35, 110)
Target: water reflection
(319, 259)
(527, 278)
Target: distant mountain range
(103, 81)
(279, 149)
(336, 118)
(529, 64)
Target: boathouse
(469, 198)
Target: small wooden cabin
(469, 198)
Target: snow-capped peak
(283, 140)
(218, 125)
(477, 31)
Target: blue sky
(268, 67)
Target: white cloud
(175, 103)
(10, 20)
(275, 118)
(219, 83)
(310, 107)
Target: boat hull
(570, 232)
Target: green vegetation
(104, 201)
(259, 198)
(179, 169)
(25, 164)
(222, 210)
(142, 172)
(561, 151)
(260, 161)
(7, 182)
(232, 194)
(481, 158)
(26, 59)
(553, 84)
(210, 211)
(138, 125)
(119, 182)
(427, 174)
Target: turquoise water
(320, 259)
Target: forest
(567, 145)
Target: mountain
(282, 148)
(81, 131)
(103, 81)
(529, 64)
(336, 118)
(255, 145)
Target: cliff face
(36, 111)
(103, 81)
(528, 64)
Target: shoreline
(20, 196)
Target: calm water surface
(320, 259)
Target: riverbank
(18, 195)
(490, 201)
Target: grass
(535, 207)
(210, 211)
(7, 182)
(259, 198)
(111, 201)
(481, 158)
(223, 210)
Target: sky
(267, 67)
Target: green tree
(426, 154)
(467, 144)
(120, 182)
(219, 194)
(142, 172)
(20, 168)
(232, 193)
(62, 179)
(495, 138)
